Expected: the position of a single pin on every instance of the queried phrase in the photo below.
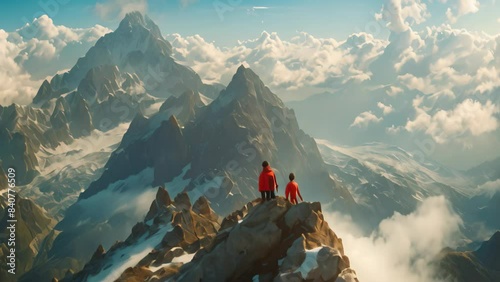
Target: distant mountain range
(384, 179)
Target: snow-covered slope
(384, 179)
(68, 169)
(395, 164)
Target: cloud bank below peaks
(404, 246)
(450, 70)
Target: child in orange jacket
(292, 190)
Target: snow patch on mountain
(206, 100)
(130, 256)
(395, 164)
(178, 184)
(310, 262)
(51, 160)
(70, 168)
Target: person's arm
(298, 192)
(276, 183)
(271, 184)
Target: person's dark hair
(291, 176)
(265, 164)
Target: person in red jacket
(292, 190)
(267, 182)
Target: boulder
(330, 263)
(347, 275)
(271, 242)
(182, 201)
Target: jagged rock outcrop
(482, 265)
(187, 106)
(21, 130)
(271, 241)
(173, 230)
(81, 123)
(45, 93)
(161, 201)
(60, 124)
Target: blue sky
(245, 18)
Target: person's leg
(293, 200)
(273, 195)
(268, 195)
(263, 195)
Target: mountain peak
(241, 69)
(134, 17)
(137, 19)
(246, 72)
(247, 88)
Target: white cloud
(446, 61)
(489, 188)
(393, 130)
(393, 90)
(438, 61)
(365, 118)
(385, 109)
(15, 84)
(304, 61)
(442, 65)
(467, 118)
(117, 9)
(460, 8)
(37, 50)
(404, 246)
(401, 14)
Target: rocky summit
(181, 241)
(272, 241)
